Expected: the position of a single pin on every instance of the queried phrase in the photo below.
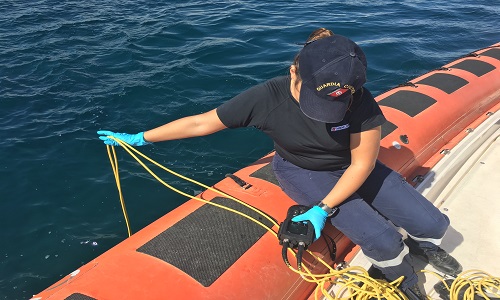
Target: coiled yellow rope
(354, 282)
(471, 282)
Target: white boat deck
(465, 185)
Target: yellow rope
(114, 165)
(353, 282)
(355, 274)
(472, 282)
(129, 149)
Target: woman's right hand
(131, 139)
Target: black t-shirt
(307, 143)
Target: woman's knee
(384, 247)
(431, 228)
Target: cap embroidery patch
(338, 92)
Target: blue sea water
(70, 68)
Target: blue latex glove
(131, 139)
(317, 216)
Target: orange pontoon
(199, 251)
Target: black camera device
(294, 234)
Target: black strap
(333, 248)
(239, 181)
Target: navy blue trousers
(369, 215)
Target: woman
(326, 131)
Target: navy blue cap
(332, 69)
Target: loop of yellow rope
(129, 149)
(472, 282)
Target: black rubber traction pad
(493, 52)
(78, 296)
(266, 173)
(446, 82)
(207, 242)
(476, 67)
(409, 102)
(387, 128)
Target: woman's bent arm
(192, 126)
(364, 153)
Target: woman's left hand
(131, 139)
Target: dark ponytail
(315, 35)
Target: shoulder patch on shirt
(338, 128)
